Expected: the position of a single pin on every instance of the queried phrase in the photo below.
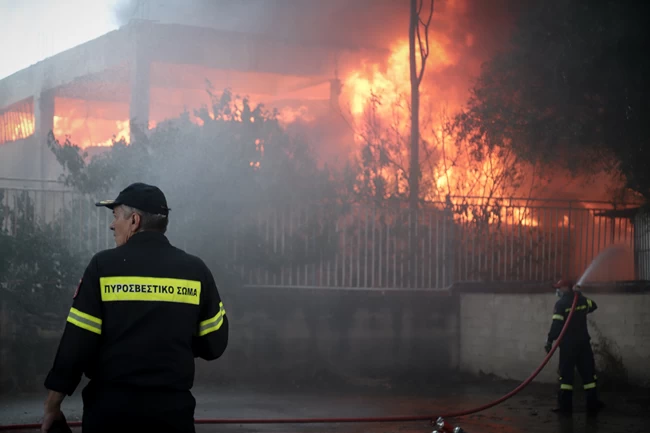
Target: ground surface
(528, 411)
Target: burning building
(148, 72)
(298, 57)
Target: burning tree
(408, 143)
(421, 157)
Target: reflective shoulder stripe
(85, 321)
(558, 317)
(589, 303)
(578, 308)
(213, 323)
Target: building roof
(106, 59)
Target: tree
(571, 91)
(35, 266)
(223, 171)
(381, 170)
(38, 275)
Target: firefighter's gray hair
(148, 221)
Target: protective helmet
(564, 283)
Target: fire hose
(437, 419)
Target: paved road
(528, 412)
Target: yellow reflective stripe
(581, 307)
(85, 321)
(558, 317)
(214, 323)
(566, 387)
(589, 303)
(150, 289)
(590, 385)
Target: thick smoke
(368, 23)
(463, 34)
(469, 31)
(337, 22)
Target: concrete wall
(504, 334)
(368, 337)
(287, 336)
(349, 335)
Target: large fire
(88, 126)
(380, 106)
(375, 99)
(374, 96)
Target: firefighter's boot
(594, 405)
(564, 402)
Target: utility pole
(414, 169)
(418, 33)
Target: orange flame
(17, 122)
(384, 96)
(82, 131)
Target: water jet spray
(607, 253)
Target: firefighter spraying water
(575, 348)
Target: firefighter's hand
(50, 415)
(548, 346)
(52, 410)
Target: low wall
(294, 335)
(361, 337)
(504, 333)
(287, 334)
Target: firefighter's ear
(135, 220)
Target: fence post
(568, 268)
(635, 246)
(450, 247)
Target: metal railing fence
(72, 216)
(367, 246)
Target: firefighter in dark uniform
(575, 347)
(142, 313)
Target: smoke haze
(367, 23)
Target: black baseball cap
(147, 198)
